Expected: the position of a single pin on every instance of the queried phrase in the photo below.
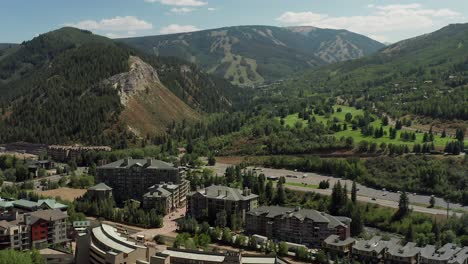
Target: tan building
(337, 246)
(398, 254)
(214, 199)
(179, 256)
(166, 197)
(301, 226)
(130, 178)
(52, 256)
(373, 250)
(14, 235)
(105, 245)
(447, 254)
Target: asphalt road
(386, 198)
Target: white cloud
(114, 35)
(179, 2)
(182, 10)
(126, 23)
(382, 22)
(175, 28)
(212, 9)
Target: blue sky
(384, 20)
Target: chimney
(219, 192)
(149, 161)
(246, 191)
(227, 192)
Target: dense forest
(52, 89)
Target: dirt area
(65, 193)
(19, 155)
(232, 160)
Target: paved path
(386, 198)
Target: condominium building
(105, 245)
(302, 226)
(447, 254)
(214, 199)
(166, 197)
(373, 250)
(99, 192)
(14, 235)
(48, 227)
(337, 246)
(181, 256)
(130, 178)
(407, 254)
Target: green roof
(24, 203)
(52, 204)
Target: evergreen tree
(354, 192)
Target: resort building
(130, 178)
(337, 246)
(399, 254)
(179, 256)
(449, 253)
(105, 245)
(302, 226)
(166, 197)
(373, 250)
(214, 199)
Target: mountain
(248, 55)
(71, 86)
(425, 75)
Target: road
(419, 202)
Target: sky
(383, 20)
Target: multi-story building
(48, 227)
(302, 226)
(180, 256)
(214, 199)
(131, 178)
(14, 235)
(99, 192)
(373, 250)
(337, 246)
(166, 197)
(449, 253)
(104, 244)
(65, 153)
(398, 254)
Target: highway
(418, 202)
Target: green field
(311, 186)
(292, 119)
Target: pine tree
(354, 192)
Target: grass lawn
(292, 119)
(311, 186)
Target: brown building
(214, 199)
(301, 226)
(48, 227)
(166, 197)
(131, 178)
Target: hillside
(424, 76)
(249, 55)
(71, 86)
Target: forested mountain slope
(250, 55)
(426, 75)
(69, 86)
